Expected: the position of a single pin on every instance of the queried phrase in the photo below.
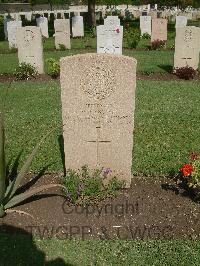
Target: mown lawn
(149, 62)
(166, 124)
(25, 251)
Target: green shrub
(148, 72)
(86, 185)
(186, 73)
(25, 71)
(2, 35)
(146, 36)
(132, 37)
(53, 67)
(62, 47)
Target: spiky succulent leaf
(17, 181)
(2, 160)
(24, 196)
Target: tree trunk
(91, 13)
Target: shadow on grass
(167, 68)
(62, 153)
(18, 248)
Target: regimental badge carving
(98, 81)
(28, 38)
(188, 35)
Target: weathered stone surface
(12, 27)
(30, 49)
(181, 21)
(145, 25)
(110, 36)
(153, 14)
(77, 26)
(187, 47)
(98, 102)
(62, 33)
(42, 23)
(159, 29)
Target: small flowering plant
(90, 185)
(190, 172)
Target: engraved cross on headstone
(98, 142)
(186, 59)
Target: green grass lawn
(25, 251)
(166, 124)
(148, 61)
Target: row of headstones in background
(29, 42)
(10, 28)
(147, 25)
(77, 26)
(187, 47)
(98, 128)
(110, 36)
(31, 15)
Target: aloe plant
(8, 196)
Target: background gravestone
(145, 25)
(98, 102)
(77, 26)
(12, 27)
(181, 21)
(153, 14)
(42, 23)
(110, 36)
(187, 47)
(5, 26)
(62, 33)
(159, 29)
(30, 49)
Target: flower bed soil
(153, 208)
(45, 78)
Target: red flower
(193, 156)
(117, 30)
(186, 169)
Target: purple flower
(80, 189)
(106, 170)
(69, 197)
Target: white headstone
(145, 25)
(187, 47)
(77, 26)
(5, 22)
(29, 16)
(17, 16)
(12, 27)
(42, 23)
(110, 36)
(98, 102)
(181, 21)
(62, 33)
(30, 49)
